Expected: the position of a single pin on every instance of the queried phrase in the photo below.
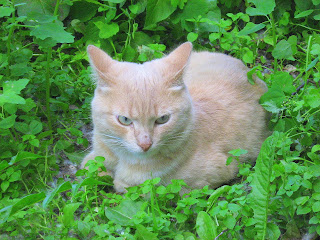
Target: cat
(175, 118)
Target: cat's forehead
(141, 91)
(137, 74)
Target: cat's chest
(136, 170)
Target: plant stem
(56, 9)
(9, 40)
(274, 36)
(307, 73)
(152, 197)
(48, 85)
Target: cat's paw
(120, 186)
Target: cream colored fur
(213, 109)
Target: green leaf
(304, 14)
(84, 228)
(312, 98)
(3, 165)
(315, 148)
(35, 127)
(116, 1)
(23, 156)
(43, 7)
(68, 213)
(262, 7)
(273, 231)
(83, 10)
(238, 152)
(8, 122)
(191, 37)
(129, 53)
(316, 207)
(143, 233)
(301, 200)
(41, 18)
(248, 56)
(6, 11)
(283, 81)
(123, 213)
(52, 30)
(27, 201)
(234, 207)
(35, 142)
(216, 194)
(260, 195)
(61, 188)
(179, 3)
(15, 86)
(21, 204)
(314, 220)
(11, 97)
(316, 17)
(282, 50)
(158, 10)
(4, 186)
(15, 176)
(301, 210)
(28, 105)
(206, 227)
(312, 64)
(107, 30)
(229, 222)
(193, 9)
(315, 49)
(251, 28)
(273, 99)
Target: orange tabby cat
(176, 117)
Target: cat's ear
(101, 63)
(175, 62)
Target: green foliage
(45, 92)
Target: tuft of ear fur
(175, 62)
(101, 63)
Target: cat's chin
(137, 157)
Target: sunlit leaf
(206, 227)
(262, 7)
(54, 31)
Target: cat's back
(220, 76)
(226, 105)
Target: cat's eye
(163, 119)
(124, 120)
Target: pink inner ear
(178, 59)
(100, 60)
(174, 64)
(101, 63)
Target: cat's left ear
(102, 65)
(175, 63)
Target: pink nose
(145, 146)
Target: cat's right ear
(176, 62)
(101, 64)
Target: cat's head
(141, 109)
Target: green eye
(163, 119)
(124, 120)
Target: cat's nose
(145, 146)
(145, 142)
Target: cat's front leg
(120, 186)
